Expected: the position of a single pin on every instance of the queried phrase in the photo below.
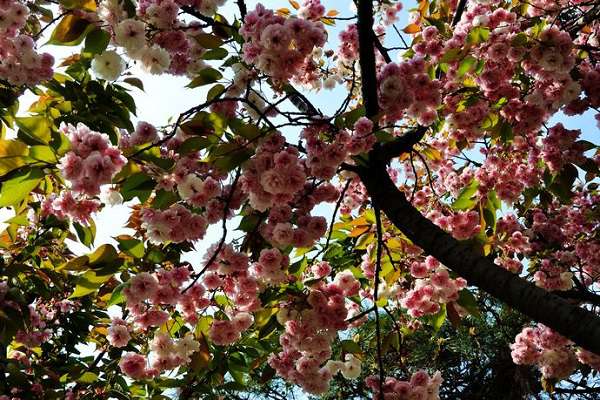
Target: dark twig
(376, 297)
(335, 210)
(459, 12)
(214, 256)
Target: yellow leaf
(72, 59)
(284, 12)
(294, 4)
(76, 264)
(432, 154)
(101, 330)
(12, 148)
(70, 31)
(362, 220)
(412, 28)
(359, 230)
(328, 21)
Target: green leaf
(70, 31)
(87, 377)
(193, 145)
(208, 41)
(86, 234)
(466, 200)
(478, 35)
(17, 188)
(204, 124)
(36, 127)
(562, 183)
(89, 283)
(164, 199)
(520, 39)
(437, 320)
(248, 223)
(44, 154)
(466, 65)
(20, 219)
(451, 55)
(215, 91)
(103, 255)
(215, 54)
(247, 131)
(12, 155)
(96, 41)
(206, 76)
(136, 82)
(117, 296)
(139, 185)
(131, 246)
(467, 300)
(75, 264)
(350, 346)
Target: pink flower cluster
(41, 317)
(280, 47)
(420, 386)
(431, 44)
(355, 196)
(363, 137)
(281, 233)
(176, 224)
(552, 55)
(92, 161)
(230, 272)
(324, 158)
(166, 354)
(273, 175)
(80, 209)
(20, 64)
(309, 334)
(509, 170)
(146, 295)
(226, 332)
(162, 287)
(271, 267)
(563, 238)
(560, 147)
(144, 133)
(433, 287)
(118, 333)
(390, 12)
(511, 239)
(198, 192)
(462, 224)
(312, 10)
(407, 89)
(348, 50)
(591, 84)
(545, 348)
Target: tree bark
(579, 325)
(571, 321)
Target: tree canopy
(354, 207)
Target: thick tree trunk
(571, 321)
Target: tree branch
(459, 12)
(401, 145)
(376, 297)
(579, 325)
(367, 57)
